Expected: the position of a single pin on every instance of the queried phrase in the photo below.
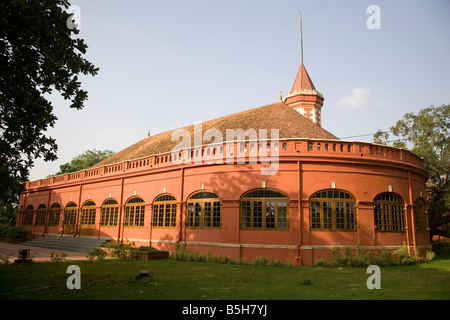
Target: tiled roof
(275, 116)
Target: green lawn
(172, 279)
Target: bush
(402, 257)
(4, 259)
(383, 259)
(98, 253)
(182, 254)
(56, 258)
(322, 262)
(360, 259)
(429, 256)
(147, 249)
(120, 249)
(264, 261)
(14, 232)
(259, 261)
(348, 259)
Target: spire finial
(301, 35)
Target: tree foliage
(84, 161)
(38, 54)
(427, 134)
(8, 211)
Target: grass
(172, 279)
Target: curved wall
(302, 167)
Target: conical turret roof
(302, 81)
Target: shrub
(264, 261)
(56, 258)
(383, 259)
(4, 259)
(402, 257)
(322, 262)
(98, 253)
(14, 232)
(120, 249)
(147, 249)
(260, 261)
(348, 259)
(430, 255)
(361, 259)
(182, 254)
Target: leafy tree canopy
(37, 55)
(427, 134)
(84, 161)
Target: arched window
(41, 212)
(420, 219)
(29, 212)
(70, 213)
(134, 212)
(204, 210)
(332, 210)
(165, 211)
(264, 209)
(55, 211)
(389, 212)
(87, 222)
(110, 209)
(88, 213)
(70, 218)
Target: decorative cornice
(305, 92)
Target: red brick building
(269, 181)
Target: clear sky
(166, 64)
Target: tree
(84, 161)
(37, 55)
(8, 211)
(427, 134)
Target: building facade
(268, 181)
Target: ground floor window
(54, 214)
(134, 212)
(28, 219)
(204, 210)
(165, 211)
(420, 218)
(70, 218)
(332, 210)
(40, 215)
(389, 212)
(70, 214)
(88, 213)
(110, 210)
(264, 209)
(87, 220)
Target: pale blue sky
(166, 64)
